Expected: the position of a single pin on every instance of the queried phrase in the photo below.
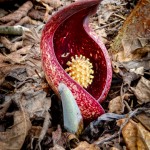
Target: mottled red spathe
(68, 34)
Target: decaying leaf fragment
(135, 135)
(14, 137)
(116, 105)
(132, 42)
(5, 69)
(144, 119)
(142, 91)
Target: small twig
(4, 109)
(12, 30)
(131, 114)
(44, 129)
(18, 38)
(119, 16)
(38, 74)
(104, 26)
(127, 105)
(25, 81)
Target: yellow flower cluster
(81, 70)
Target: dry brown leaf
(142, 91)
(35, 102)
(5, 69)
(19, 56)
(18, 14)
(31, 37)
(34, 60)
(143, 141)
(135, 135)
(130, 135)
(14, 137)
(86, 146)
(116, 105)
(32, 98)
(135, 46)
(144, 119)
(9, 45)
(129, 45)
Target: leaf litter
(29, 109)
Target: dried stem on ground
(46, 125)
(131, 114)
(11, 30)
(3, 109)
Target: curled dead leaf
(131, 42)
(116, 105)
(142, 91)
(135, 135)
(14, 137)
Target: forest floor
(31, 114)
